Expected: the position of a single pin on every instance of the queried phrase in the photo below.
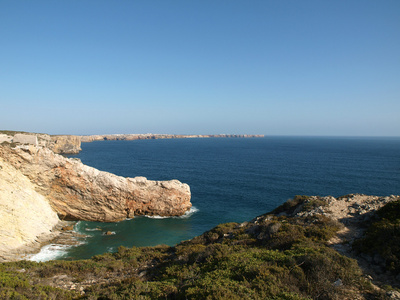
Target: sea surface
(232, 180)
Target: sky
(277, 67)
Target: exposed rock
(65, 144)
(130, 137)
(79, 192)
(25, 215)
(350, 210)
(5, 138)
(21, 138)
(68, 228)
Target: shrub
(290, 205)
(383, 237)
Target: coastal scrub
(270, 257)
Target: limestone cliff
(79, 192)
(147, 136)
(63, 144)
(24, 214)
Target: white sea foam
(92, 229)
(187, 214)
(50, 252)
(111, 249)
(190, 212)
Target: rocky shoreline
(57, 235)
(74, 191)
(71, 144)
(41, 187)
(304, 249)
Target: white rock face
(24, 214)
(79, 192)
(25, 139)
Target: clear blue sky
(264, 67)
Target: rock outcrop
(79, 192)
(25, 215)
(62, 144)
(65, 144)
(350, 210)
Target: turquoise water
(234, 180)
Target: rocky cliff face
(130, 137)
(65, 144)
(25, 215)
(79, 192)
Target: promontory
(39, 187)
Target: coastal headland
(39, 188)
(71, 144)
(151, 136)
(310, 247)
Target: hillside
(290, 253)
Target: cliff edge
(79, 192)
(62, 144)
(25, 215)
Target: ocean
(232, 180)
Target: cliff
(25, 215)
(79, 192)
(130, 137)
(65, 144)
(62, 144)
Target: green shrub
(383, 237)
(273, 258)
(290, 205)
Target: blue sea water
(235, 180)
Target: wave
(50, 252)
(187, 214)
(93, 229)
(111, 249)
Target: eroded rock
(79, 192)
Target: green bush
(383, 237)
(290, 205)
(270, 258)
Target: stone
(25, 214)
(65, 144)
(393, 295)
(67, 228)
(30, 139)
(5, 138)
(79, 192)
(338, 282)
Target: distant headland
(71, 144)
(151, 136)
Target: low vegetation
(382, 238)
(270, 257)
